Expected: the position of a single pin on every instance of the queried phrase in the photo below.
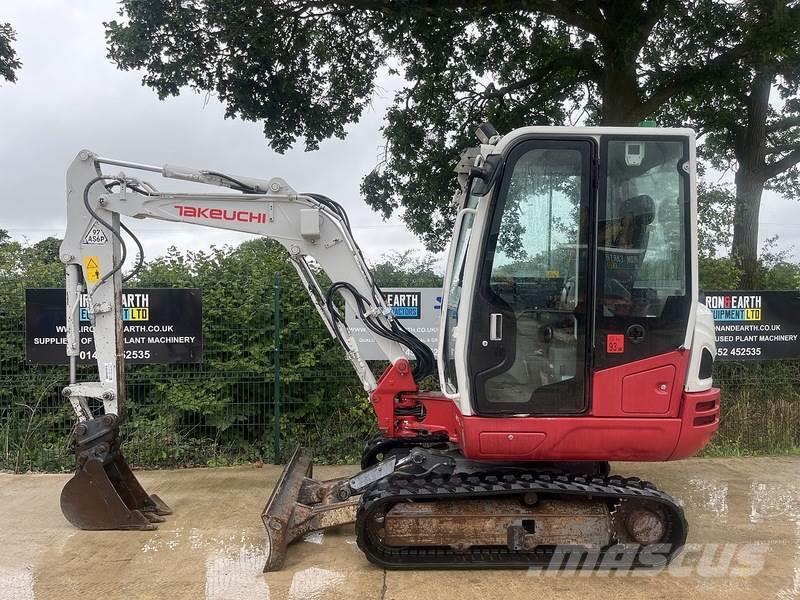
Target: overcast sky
(69, 96)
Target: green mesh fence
(224, 410)
(219, 412)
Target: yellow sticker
(553, 274)
(92, 264)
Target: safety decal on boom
(95, 236)
(92, 264)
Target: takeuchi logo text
(221, 214)
(733, 307)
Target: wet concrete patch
(742, 512)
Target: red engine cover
(639, 413)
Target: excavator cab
(578, 260)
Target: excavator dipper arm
(104, 493)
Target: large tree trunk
(750, 154)
(627, 28)
(619, 90)
(749, 187)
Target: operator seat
(622, 243)
(631, 229)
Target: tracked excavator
(571, 336)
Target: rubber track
(405, 488)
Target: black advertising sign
(757, 325)
(161, 325)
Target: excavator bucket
(104, 493)
(299, 505)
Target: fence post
(276, 365)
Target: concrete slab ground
(212, 547)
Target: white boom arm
(308, 226)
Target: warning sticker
(92, 264)
(615, 343)
(95, 236)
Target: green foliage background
(214, 413)
(222, 411)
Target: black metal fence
(269, 383)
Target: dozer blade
(104, 493)
(299, 505)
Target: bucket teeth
(104, 493)
(161, 507)
(153, 517)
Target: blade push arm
(310, 227)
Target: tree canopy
(307, 68)
(406, 269)
(750, 116)
(9, 62)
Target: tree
(307, 68)
(47, 250)
(407, 269)
(775, 270)
(751, 117)
(9, 62)
(715, 205)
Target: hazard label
(615, 343)
(96, 236)
(92, 264)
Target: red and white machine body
(571, 328)
(570, 331)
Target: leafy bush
(217, 412)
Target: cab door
(527, 349)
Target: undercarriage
(431, 509)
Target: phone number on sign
(738, 351)
(129, 354)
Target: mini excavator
(571, 336)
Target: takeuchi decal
(221, 214)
